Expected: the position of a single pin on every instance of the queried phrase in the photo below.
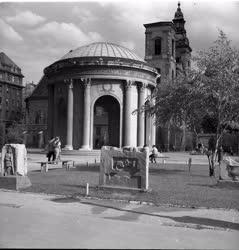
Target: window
(172, 74)
(158, 46)
(188, 63)
(172, 48)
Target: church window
(158, 46)
(172, 74)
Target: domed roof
(102, 49)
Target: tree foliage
(205, 96)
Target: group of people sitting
(54, 149)
(154, 153)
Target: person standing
(50, 150)
(57, 149)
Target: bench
(44, 165)
(161, 157)
(66, 163)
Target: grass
(169, 184)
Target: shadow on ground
(133, 215)
(220, 185)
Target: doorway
(106, 122)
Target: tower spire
(178, 14)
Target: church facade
(91, 93)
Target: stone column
(40, 139)
(69, 128)
(127, 113)
(153, 129)
(50, 116)
(141, 100)
(86, 119)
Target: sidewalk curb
(135, 202)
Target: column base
(68, 147)
(85, 147)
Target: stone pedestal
(14, 182)
(127, 168)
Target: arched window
(158, 46)
(37, 117)
(172, 74)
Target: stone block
(14, 182)
(229, 170)
(124, 168)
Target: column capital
(70, 82)
(128, 84)
(142, 86)
(86, 82)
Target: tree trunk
(182, 147)
(168, 136)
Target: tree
(15, 133)
(209, 91)
(219, 84)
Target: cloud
(8, 33)
(66, 34)
(26, 18)
(83, 14)
(128, 44)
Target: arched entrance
(106, 122)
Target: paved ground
(47, 221)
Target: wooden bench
(161, 157)
(68, 164)
(44, 165)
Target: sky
(36, 34)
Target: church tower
(167, 49)
(160, 48)
(167, 46)
(183, 50)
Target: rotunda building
(92, 93)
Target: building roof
(40, 90)
(102, 49)
(6, 61)
(159, 24)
